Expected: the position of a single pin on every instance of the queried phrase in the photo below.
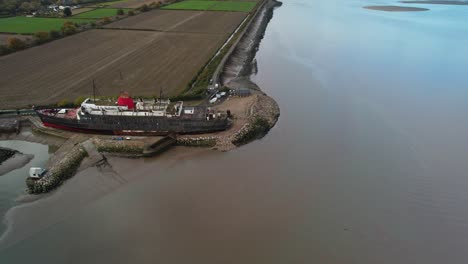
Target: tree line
(15, 7)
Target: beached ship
(129, 116)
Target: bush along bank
(257, 128)
(206, 142)
(62, 171)
(119, 147)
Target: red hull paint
(61, 127)
(73, 129)
(117, 132)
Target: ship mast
(160, 97)
(94, 92)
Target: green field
(24, 25)
(213, 5)
(104, 4)
(234, 6)
(191, 5)
(100, 13)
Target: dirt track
(64, 69)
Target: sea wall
(240, 60)
(59, 172)
(201, 141)
(262, 116)
(124, 147)
(218, 73)
(265, 114)
(9, 125)
(235, 71)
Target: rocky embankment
(83, 151)
(257, 115)
(65, 167)
(125, 148)
(9, 125)
(241, 61)
(253, 117)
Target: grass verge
(29, 25)
(213, 6)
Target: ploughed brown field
(65, 69)
(211, 22)
(148, 60)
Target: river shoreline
(11, 159)
(253, 117)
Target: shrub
(63, 103)
(15, 44)
(41, 37)
(131, 13)
(4, 50)
(68, 28)
(120, 12)
(144, 8)
(67, 12)
(154, 5)
(79, 100)
(106, 20)
(54, 34)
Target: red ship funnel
(126, 100)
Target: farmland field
(183, 21)
(240, 6)
(23, 25)
(133, 3)
(64, 69)
(99, 13)
(80, 10)
(159, 49)
(233, 6)
(109, 3)
(191, 5)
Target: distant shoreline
(436, 2)
(396, 8)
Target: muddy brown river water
(367, 164)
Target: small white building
(189, 110)
(36, 173)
